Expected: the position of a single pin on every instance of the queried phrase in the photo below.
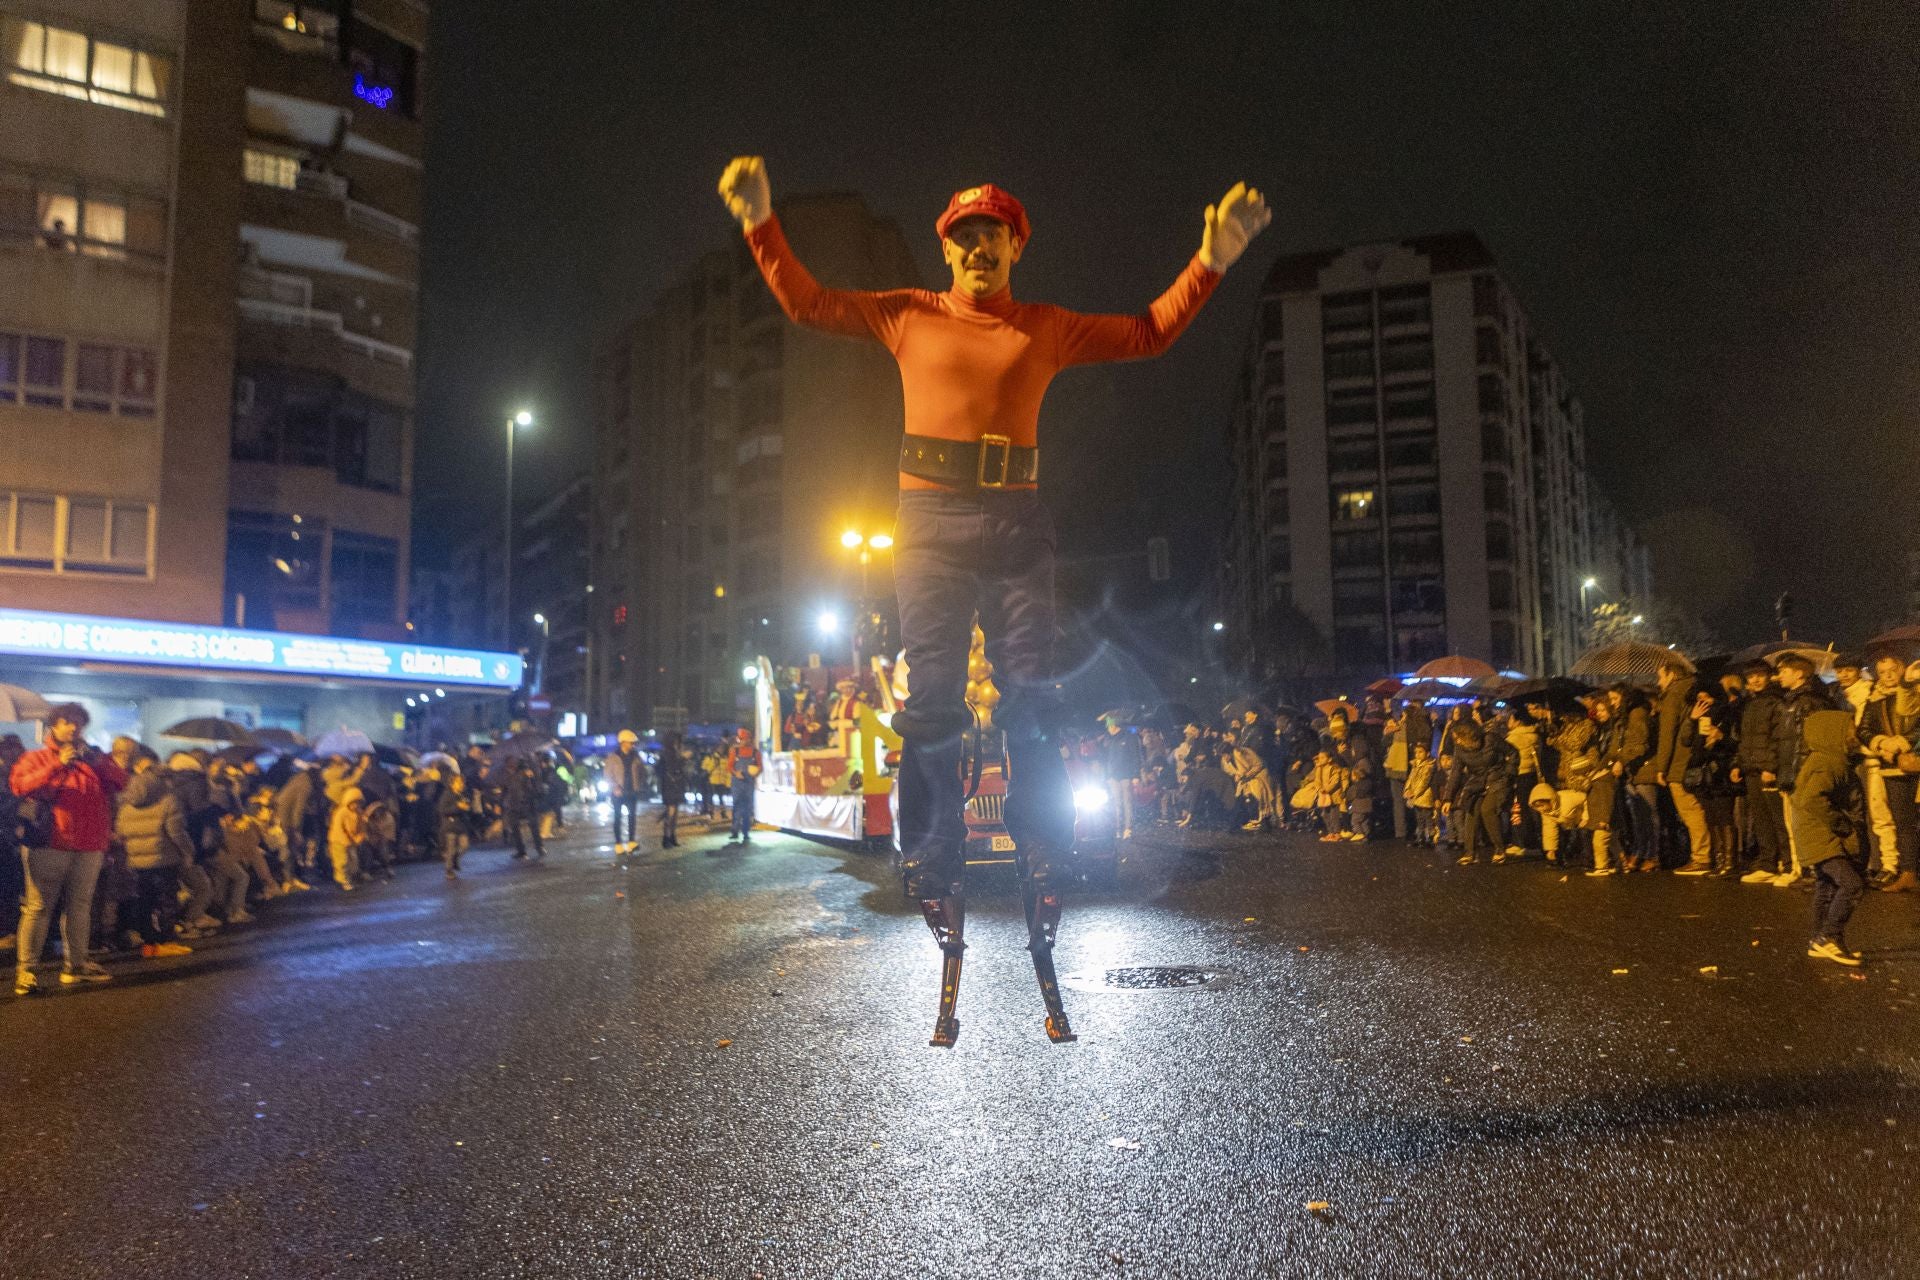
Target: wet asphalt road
(522, 1074)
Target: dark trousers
(629, 808)
(1483, 816)
(1906, 816)
(1769, 820)
(1643, 819)
(743, 796)
(955, 554)
(519, 824)
(156, 904)
(1837, 886)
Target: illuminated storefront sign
(171, 644)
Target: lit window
(1353, 504)
(56, 60)
(45, 532)
(271, 169)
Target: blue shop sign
(171, 644)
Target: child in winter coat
(1330, 782)
(1710, 777)
(1828, 814)
(1420, 798)
(345, 834)
(453, 821)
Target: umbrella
(438, 760)
(518, 744)
(209, 729)
(1454, 667)
(1236, 711)
(1124, 715)
(22, 704)
(1385, 687)
(282, 739)
(1904, 647)
(1427, 691)
(392, 755)
(1822, 659)
(1327, 706)
(342, 742)
(1772, 649)
(1493, 686)
(1631, 661)
(1555, 690)
(240, 753)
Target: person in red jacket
(72, 786)
(972, 535)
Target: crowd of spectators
(1740, 776)
(136, 854)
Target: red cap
(986, 201)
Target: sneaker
(1603, 871)
(188, 931)
(1515, 851)
(88, 972)
(1785, 880)
(25, 982)
(1332, 837)
(1465, 860)
(1694, 869)
(240, 917)
(204, 922)
(1354, 836)
(166, 949)
(1757, 876)
(452, 874)
(1255, 825)
(346, 886)
(1828, 949)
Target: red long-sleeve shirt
(973, 367)
(80, 791)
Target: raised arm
(852, 313)
(1227, 228)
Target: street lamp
(524, 418)
(866, 544)
(829, 622)
(1586, 616)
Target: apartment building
(208, 298)
(733, 450)
(1410, 468)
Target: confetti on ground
(1124, 1144)
(1710, 969)
(721, 1044)
(1617, 972)
(1318, 1206)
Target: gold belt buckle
(1005, 445)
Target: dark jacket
(1890, 715)
(1120, 753)
(1826, 798)
(1629, 741)
(522, 798)
(453, 812)
(670, 771)
(189, 783)
(1759, 716)
(151, 824)
(1789, 737)
(1710, 773)
(1479, 771)
(1674, 730)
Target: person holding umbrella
(72, 787)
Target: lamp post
(866, 544)
(520, 419)
(1586, 615)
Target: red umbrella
(1385, 687)
(1454, 667)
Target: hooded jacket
(294, 801)
(1825, 792)
(152, 824)
(1789, 742)
(80, 791)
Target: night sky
(1707, 209)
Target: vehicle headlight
(1090, 798)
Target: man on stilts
(972, 535)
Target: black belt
(992, 462)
